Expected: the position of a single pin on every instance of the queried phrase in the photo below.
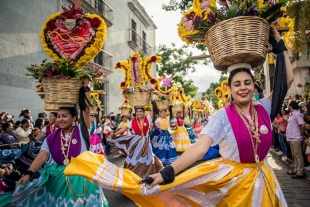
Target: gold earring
(73, 123)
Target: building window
(99, 58)
(144, 41)
(133, 30)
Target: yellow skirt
(181, 139)
(218, 182)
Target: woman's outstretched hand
(23, 180)
(157, 180)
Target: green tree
(177, 63)
(300, 11)
(210, 94)
(175, 5)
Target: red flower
(51, 25)
(181, 92)
(153, 58)
(118, 65)
(153, 81)
(95, 22)
(123, 84)
(134, 59)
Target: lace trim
(258, 191)
(145, 191)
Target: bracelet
(168, 174)
(29, 172)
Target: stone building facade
(129, 29)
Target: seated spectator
(4, 117)
(17, 124)
(8, 136)
(39, 125)
(23, 132)
(23, 113)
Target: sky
(167, 33)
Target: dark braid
(83, 105)
(280, 84)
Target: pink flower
(187, 24)
(134, 59)
(205, 5)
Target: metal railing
(134, 37)
(105, 59)
(103, 8)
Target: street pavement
(296, 192)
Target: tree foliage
(300, 11)
(177, 63)
(210, 94)
(174, 5)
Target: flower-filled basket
(195, 112)
(94, 110)
(148, 111)
(240, 39)
(95, 101)
(139, 98)
(178, 108)
(125, 110)
(162, 104)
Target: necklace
(253, 131)
(75, 195)
(141, 126)
(67, 143)
(52, 127)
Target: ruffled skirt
(163, 146)
(53, 188)
(140, 158)
(181, 139)
(218, 182)
(191, 134)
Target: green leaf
(273, 9)
(233, 9)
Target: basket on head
(94, 110)
(149, 113)
(50, 106)
(241, 39)
(162, 104)
(139, 99)
(178, 108)
(61, 90)
(125, 111)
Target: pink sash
(242, 135)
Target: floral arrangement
(94, 99)
(86, 39)
(62, 68)
(147, 108)
(40, 91)
(137, 71)
(205, 14)
(125, 107)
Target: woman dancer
(52, 125)
(140, 158)
(196, 125)
(162, 143)
(52, 188)
(180, 137)
(189, 129)
(241, 177)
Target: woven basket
(139, 99)
(94, 110)
(162, 104)
(178, 107)
(50, 107)
(61, 91)
(125, 112)
(241, 39)
(195, 112)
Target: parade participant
(52, 124)
(140, 158)
(95, 142)
(162, 143)
(242, 177)
(123, 124)
(196, 125)
(189, 129)
(64, 143)
(180, 137)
